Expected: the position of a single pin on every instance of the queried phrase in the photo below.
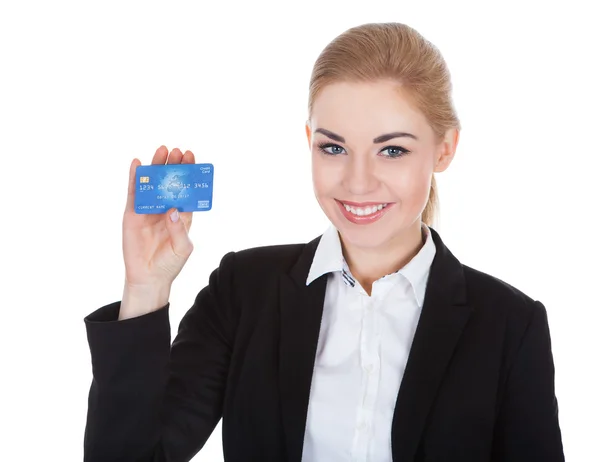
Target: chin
(368, 236)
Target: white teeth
(361, 212)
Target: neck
(369, 264)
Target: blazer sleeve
(150, 400)
(527, 427)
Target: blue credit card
(186, 187)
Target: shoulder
(480, 284)
(269, 258)
(251, 277)
(497, 299)
(486, 294)
(259, 265)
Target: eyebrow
(389, 136)
(380, 139)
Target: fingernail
(174, 216)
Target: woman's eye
(331, 149)
(394, 151)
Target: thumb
(180, 240)
(135, 163)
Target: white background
(87, 86)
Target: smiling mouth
(364, 211)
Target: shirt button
(369, 368)
(363, 427)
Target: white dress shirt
(362, 352)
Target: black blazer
(478, 385)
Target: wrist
(139, 300)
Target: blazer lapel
(443, 318)
(301, 309)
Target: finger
(160, 156)
(186, 217)
(131, 187)
(188, 158)
(175, 157)
(180, 240)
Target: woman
(372, 342)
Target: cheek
(323, 174)
(317, 176)
(409, 182)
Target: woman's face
(373, 156)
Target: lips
(365, 212)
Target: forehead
(355, 109)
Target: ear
(308, 133)
(447, 150)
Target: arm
(527, 428)
(150, 401)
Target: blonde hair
(392, 51)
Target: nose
(359, 176)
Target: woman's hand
(155, 246)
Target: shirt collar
(328, 258)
